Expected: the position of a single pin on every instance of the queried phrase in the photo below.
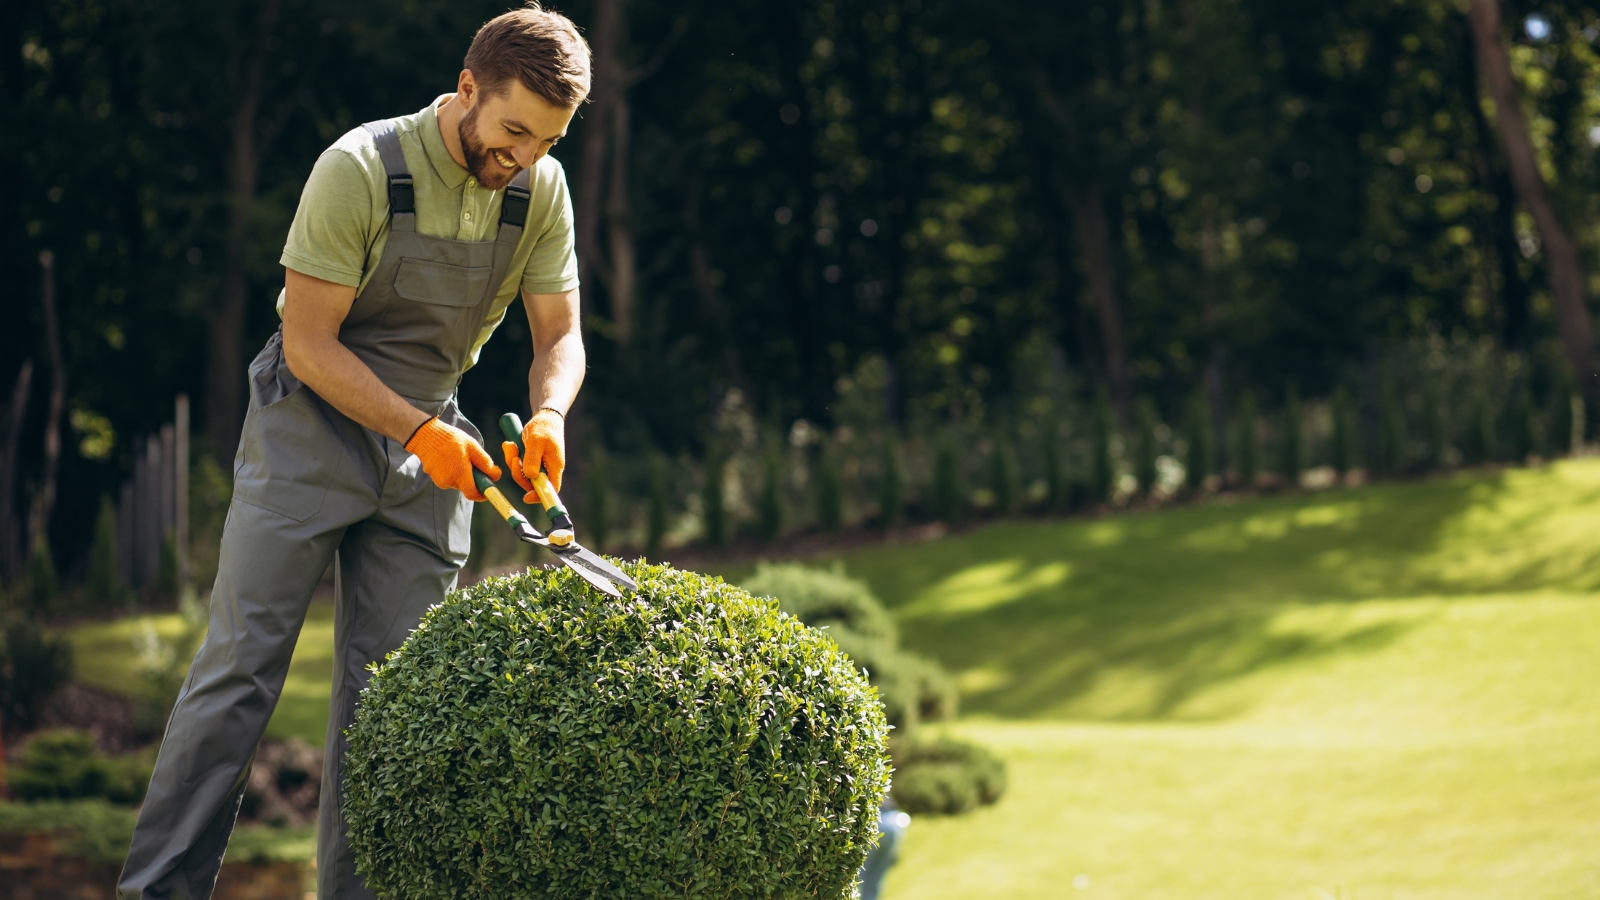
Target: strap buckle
(514, 206)
(402, 199)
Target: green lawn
(1387, 692)
(106, 658)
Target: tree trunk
(44, 503)
(604, 38)
(1094, 241)
(10, 550)
(225, 366)
(705, 285)
(1497, 221)
(619, 223)
(1561, 253)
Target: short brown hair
(538, 47)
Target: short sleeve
(553, 266)
(332, 228)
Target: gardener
(413, 237)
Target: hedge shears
(561, 538)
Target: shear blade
(598, 564)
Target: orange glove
(449, 455)
(545, 439)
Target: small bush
(64, 765)
(33, 665)
(823, 599)
(534, 738)
(914, 689)
(945, 776)
(94, 829)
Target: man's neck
(449, 115)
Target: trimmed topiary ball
(535, 738)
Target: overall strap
(402, 199)
(514, 207)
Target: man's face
(504, 133)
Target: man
(413, 237)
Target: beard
(481, 163)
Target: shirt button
(467, 216)
(472, 181)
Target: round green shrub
(913, 688)
(534, 738)
(945, 775)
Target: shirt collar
(449, 171)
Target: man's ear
(466, 88)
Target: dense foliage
(533, 738)
(939, 774)
(64, 765)
(914, 689)
(945, 775)
(33, 664)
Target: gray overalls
(312, 486)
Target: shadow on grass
(1132, 617)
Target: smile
(504, 160)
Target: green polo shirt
(342, 224)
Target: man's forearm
(341, 378)
(557, 373)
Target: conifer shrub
(948, 489)
(1003, 476)
(103, 586)
(597, 497)
(1055, 475)
(828, 487)
(1248, 444)
(1197, 462)
(771, 504)
(1340, 451)
(659, 508)
(1293, 460)
(1146, 450)
(534, 738)
(715, 500)
(1103, 477)
(891, 485)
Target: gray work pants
(309, 482)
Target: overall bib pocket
(441, 284)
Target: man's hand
(545, 445)
(449, 456)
